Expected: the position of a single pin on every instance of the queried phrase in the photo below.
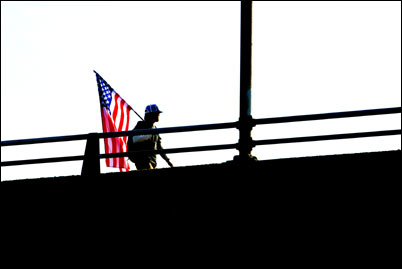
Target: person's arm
(169, 163)
(163, 155)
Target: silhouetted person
(146, 142)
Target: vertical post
(246, 120)
(91, 164)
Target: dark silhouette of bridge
(330, 185)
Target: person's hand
(169, 163)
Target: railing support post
(91, 164)
(245, 120)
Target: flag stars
(106, 96)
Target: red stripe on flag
(115, 144)
(105, 127)
(116, 108)
(109, 142)
(126, 127)
(122, 108)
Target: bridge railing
(92, 156)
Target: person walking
(144, 161)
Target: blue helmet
(152, 109)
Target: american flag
(115, 118)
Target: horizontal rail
(171, 151)
(180, 129)
(261, 142)
(215, 126)
(212, 147)
(333, 115)
(115, 155)
(326, 137)
(44, 140)
(43, 160)
(204, 127)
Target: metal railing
(92, 156)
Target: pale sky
(308, 57)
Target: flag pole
(137, 114)
(130, 106)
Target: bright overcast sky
(308, 57)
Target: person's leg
(143, 165)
